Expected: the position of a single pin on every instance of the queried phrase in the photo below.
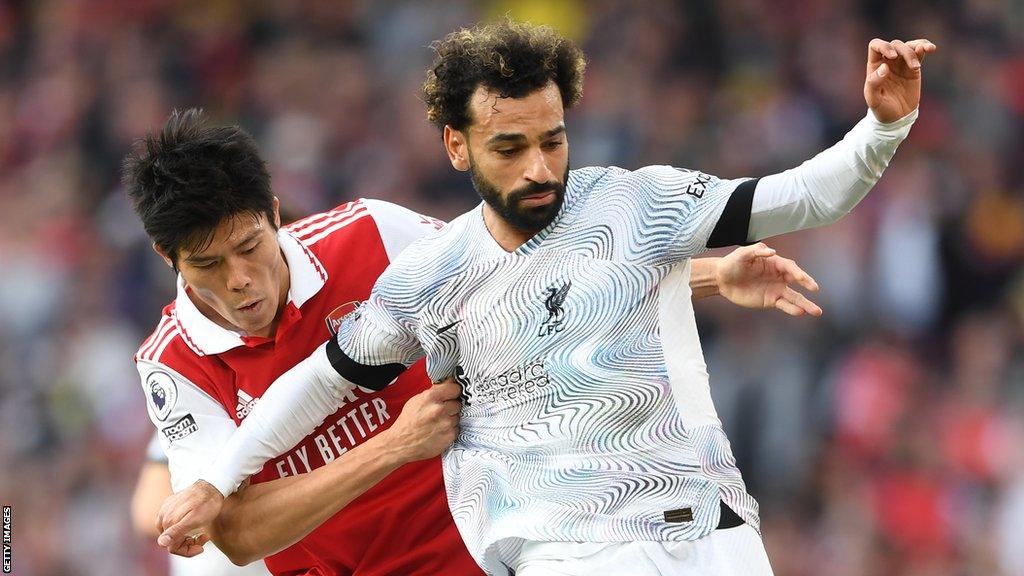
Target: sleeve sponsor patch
(162, 394)
(185, 426)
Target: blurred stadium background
(885, 438)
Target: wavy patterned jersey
(587, 414)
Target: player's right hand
(184, 516)
(429, 422)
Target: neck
(507, 236)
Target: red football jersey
(201, 381)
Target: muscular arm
(265, 518)
(262, 519)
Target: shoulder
(432, 259)
(440, 246)
(363, 226)
(168, 350)
(654, 176)
(334, 224)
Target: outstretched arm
(294, 405)
(262, 519)
(265, 518)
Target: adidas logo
(245, 404)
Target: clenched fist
(429, 422)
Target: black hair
(186, 180)
(510, 58)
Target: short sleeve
(680, 207)
(377, 332)
(191, 426)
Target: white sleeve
(294, 405)
(826, 187)
(398, 226)
(191, 426)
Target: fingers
(796, 304)
(907, 54)
(175, 534)
(912, 53)
(788, 307)
(191, 546)
(923, 47)
(879, 50)
(452, 408)
(754, 251)
(446, 390)
(792, 273)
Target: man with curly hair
(589, 443)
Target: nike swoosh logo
(446, 328)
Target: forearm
(703, 277)
(826, 187)
(262, 519)
(290, 409)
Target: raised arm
(826, 187)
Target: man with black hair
(589, 443)
(253, 300)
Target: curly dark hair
(186, 180)
(510, 58)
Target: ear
(457, 146)
(163, 255)
(277, 213)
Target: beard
(529, 219)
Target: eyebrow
(503, 137)
(248, 239)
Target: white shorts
(728, 552)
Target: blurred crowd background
(885, 438)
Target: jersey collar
(204, 336)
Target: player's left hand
(892, 87)
(756, 277)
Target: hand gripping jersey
(201, 381)
(588, 415)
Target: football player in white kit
(589, 442)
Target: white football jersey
(588, 415)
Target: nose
(537, 168)
(238, 278)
